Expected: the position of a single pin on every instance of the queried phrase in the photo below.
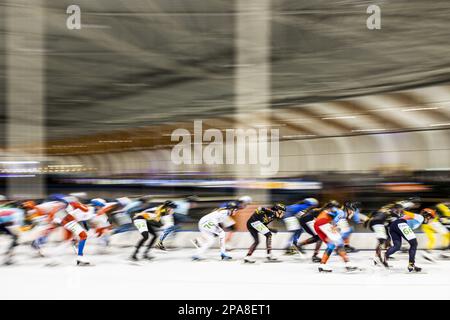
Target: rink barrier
(239, 240)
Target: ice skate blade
(325, 270)
(195, 243)
(148, 258)
(272, 261)
(52, 264)
(379, 263)
(355, 270)
(429, 259)
(197, 259)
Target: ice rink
(172, 275)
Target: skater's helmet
(98, 202)
(192, 198)
(123, 201)
(428, 214)
(279, 209)
(245, 199)
(397, 210)
(332, 204)
(169, 204)
(312, 202)
(30, 204)
(351, 205)
(232, 206)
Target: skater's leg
(83, 236)
(328, 252)
(310, 240)
(293, 226)
(342, 253)
(13, 244)
(308, 226)
(255, 243)
(123, 228)
(153, 236)
(412, 250)
(209, 241)
(380, 233)
(269, 243)
(317, 248)
(296, 236)
(167, 232)
(221, 236)
(141, 242)
(69, 223)
(378, 249)
(142, 226)
(397, 243)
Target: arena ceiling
(145, 66)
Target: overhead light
(420, 109)
(343, 117)
(19, 162)
(369, 130)
(384, 109)
(440, 124)
(114, 141)
(300, 136)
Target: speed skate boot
(299, 248)
(290, 251)
(378, 261)
(134, 257)
(349, 249)
(160, 246)
(350, 267)
(8, 259)
(38, 249)
(315, 259)
(249, 260)
(147, 256)
(197, 258)
(324, 268)
(413, 268)
(385, 262)
(225, 257)
(74, 246)
(82, 261)
(269, 258)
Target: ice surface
(172, 275)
